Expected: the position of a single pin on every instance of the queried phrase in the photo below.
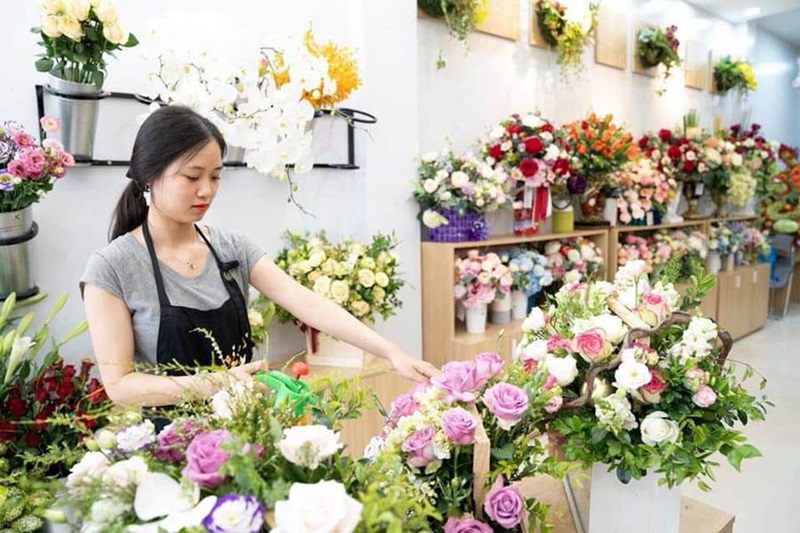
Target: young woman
(168, 292)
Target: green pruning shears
(287, 390)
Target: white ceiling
(781, 17)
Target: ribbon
(541, 204)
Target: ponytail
(131, 211)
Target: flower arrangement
(736, 74)
(29, 170)
(644, 189)
(479, 279)
(635, 248)
(363, 278)
(723, 240)
(640, 386)
(77, 35)
(780, 204)
(458, 183)
(741, 188)
(685, 158)
(529, 271)
(475, 411)
(663, 249)
(461, 17)
(574, 260)
(760, 155)
(659, 46)
(568, 33)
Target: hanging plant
(461, 17)
(567, 35)
(734, 74)
(657, 46)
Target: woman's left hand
(411, 367)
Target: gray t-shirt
(123, 268)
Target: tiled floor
(765, 495)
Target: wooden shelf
(733, 218)
(669, 225)
(492, 331)
(508, 240)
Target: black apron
(180, 341)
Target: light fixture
(752, 11)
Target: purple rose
(488, 364)
(235, 514)
(419, 447)
(460, 380)
(504, 505)
(466, 525)
(205, 456)
(507, 402)
(403, 405)
(576, 185)
(171, 443)
(704, 397)
(459, 425)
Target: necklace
(191, 262)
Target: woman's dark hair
(166, 135)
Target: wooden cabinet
(743, 299)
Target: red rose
(657, 382)
(688, 166)
(664, 134)
(533, 145)
(584, 125)
(8, 430)
(69, 371)
(547, 127)
(85, 419)
(643, 142)
(86, 366)
(512, 129)
(51, 383)
(64, 390)
(683, 140)
(16, 406)
(561, 166)
(674, 152)
(495, 151)
(40, 394)
(528, 167)
(40, 420)
(30, 440)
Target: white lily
(19, 348)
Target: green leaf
(132, 41)
(506, 452)
(735, 459)
(44, 64)
(748, 451)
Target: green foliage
(568, 37)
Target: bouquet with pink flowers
(574, 260)
(479, 279)
(28, 169)
(635, 248)
(644, 189)
(636, 384)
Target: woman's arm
(324, 315)
(111, 331)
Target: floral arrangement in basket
(467, 439)
(641, 386)
(574, 260)
(362, 277)
(760, 155)
(644, 189)
(736, 74)
(29, 170)
(780, 205)
(479, 279)
(659, 46)
(531, 151)
(77, 35)
(569, 33)
(461, 17)
(456, 190)
(529, 271)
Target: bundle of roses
(574, 260)
(687, 250)
(529, 271)
(467, 438)
(681, 157)
(644, 189)
(461, 183)
(480, 279)
(641, 387)
(363, 278)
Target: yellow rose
(322, 285)
(52, 7)
(106, 11)
(379, 294)
(50, 26)
(366, 277)
(340, 291)
(360, 308)
(115, 34)
(79, 9)
(382, 279)
(70, 27)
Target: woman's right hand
(244, 373)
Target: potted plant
(730, 73)
(657, 46)
(567, 33)
(461, 17)
(77, 36)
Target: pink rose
(50, 124)
(460, 380)
(704, 397)
(53, 144)
(34, 162)
(657, 382)
(554, 404)
(171, 443)
(504, 505)
(459, 426)
(557, 341)
(466, 525)
(419, 447)
(656, 304)
(403, 405)
(67, 160)
(488, 365)
(22, 139)
(17, 169)
(591, 345)
(507, 402)
(205, 456)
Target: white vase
(476, 319)
(640, 505)
(500, 310)
(713, 262)
(519, 305)
(672, 215)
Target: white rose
(657, 427)
(612, 326)
(70, 27)
(80, 9)
(125, 473)
(360, 308)
(322, 285)
(91, 465)
(531, 121)
(587, 252)
(430, 186)
(323, 507)
(106, 11)
(573, 276)
(381, 279)
(378, 294)
(136, 437)
(366, 277)
(552, 153)
(432, 219)
(631, 375)
(691, 156)
(534, 351)
(106, 439)
(446, 195)
(340, 291)
(50, 26)
(535, 320)
(506, 146)
(430, 157)
(458, 179)
(564, 369)
(497, 132)
(304, 266)
(107, 510)
(52, 7)
(573, 255)
(316, 258)
(736, 160)
(308, 445)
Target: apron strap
(163, 300)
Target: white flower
(308, 445)
(159, 495)
(178, 520)
(430, 157)
(91, 466)
(322, 285)
(316, 258)
(224, 402)
(433, 219)
(631, 375)
(736, 160)
(552, 153)
(105, 439)
(430, 186)
(323, 507)
(366, 277)
(115, 34)
(535, 321)
(691, 156)
(657, 427)
(612, 326)
(573, 276)
(535, 350)
(125, 473)
(106, 11)
(573, 255)
(374, 447)
(382, 279)
(340, 291)
(458, 179)
(532, 121)
(564, 369)
(497, 132)
(106, 510)
(614, 413)
(255, 318)
(360, 308)
(136, 437)
(19, 348)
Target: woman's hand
(244, 373)
(410, 367)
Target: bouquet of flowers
(644, 188)
(723, 240)
(28, 170)
(574, 260)
(755, 244)
(640, 386)
(780, 205)
(741, 188)
(467, 438)
(479, 279)
(657, 46)
(529, 271)
(636, 248)
(599, 147)
(736, 74)
(363, 278)
(77, 35)
(449, 183)
(686, 158)
(760, 155)
(567, 31)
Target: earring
(146, 194)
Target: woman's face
(187, 187)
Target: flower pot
(500, 310)
(593, 210)
(672, 215)
(641, 505)
(563, 219)
(460, 227)
(324, 350)
(17, 228)
(77, 105)
(713, 262)
(519, 305)
(721, 199)
(693, 192)
(476, 319)
(727, 263)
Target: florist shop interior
(457, 265)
